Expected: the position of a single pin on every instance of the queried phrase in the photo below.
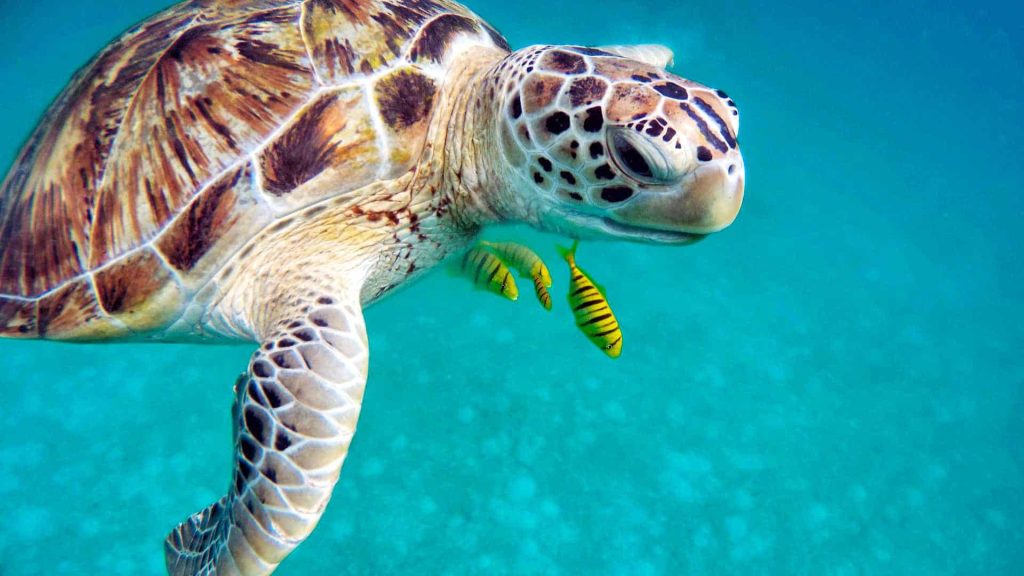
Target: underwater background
(834, 385)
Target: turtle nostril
(732, 169)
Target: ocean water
(832, 386)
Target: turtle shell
(196, 129)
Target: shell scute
(217, 223)
(18, 318)
(330, 145)
(139, 291)
(405, 99)
(349, 37)
(51, 190)
(433, 41)
(73, 313)
(217, 93)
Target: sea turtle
(263, 170)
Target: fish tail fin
(569, 253)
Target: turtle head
(612, 146)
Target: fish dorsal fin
(654, 54)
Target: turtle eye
(631, 160)
(640, 159)
(636, 164)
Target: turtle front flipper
(294, 416)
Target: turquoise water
(834, 385)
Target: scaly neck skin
(478, 183)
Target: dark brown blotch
(570, 195)
(73, 307)
(563, 62)
(593, 121)
(557, 123)
(604, 172)
(434, 40)
(672, 90)
(515, 108)
(405, 98)
(497, 38)
(524, 133)
(249, 448)
(281, 440)
(304, 150)
(616, 194)
(255, 423)
(586, 91)
(261, 369)
(18, 318)
(267, 54)
(128, 283)
(192, 235)
(540, 91)
(275, 396)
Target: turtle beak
(706, 201)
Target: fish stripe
(584, 289)
(588, 304)
(607, 324)
(595, 320)
(477, 261)
(607, 332)
(497, 266)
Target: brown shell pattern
(196, 129)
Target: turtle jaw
(706, 201)
(603, 226)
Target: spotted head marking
(612, 146)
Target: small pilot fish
(489, 273)
(593, 315)
(527, 263)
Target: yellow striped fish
(527, 263)
(489, 273)
(593, 315)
